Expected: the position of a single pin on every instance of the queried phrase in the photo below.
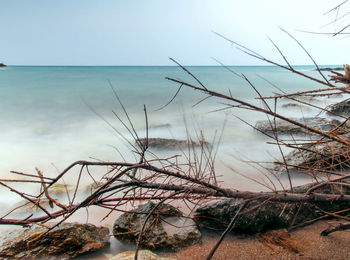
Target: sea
(52, 116)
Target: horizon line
(33, 65)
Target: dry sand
(306, 241)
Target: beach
(305, 243)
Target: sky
(139, 32)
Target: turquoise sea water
(52, 116)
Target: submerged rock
(267, 216)
(330, 69)
(63, 242)
(284, 127)
(164, 143)
(167, 228)
(157, 126)
(295, 106)
(142, 255)
(341, 108)
(58, 189)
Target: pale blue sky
(139, 32)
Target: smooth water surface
(53, 116)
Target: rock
(142, 255)
(284, 127)
(307, 99)
(63, 242)
(327, 155)
(2, 64)
(165, 229)
(295, 106)
(164, 143)
(92, 187)
(267, 216)
(329, 69)
(218, 215)
(157, 126)
(341, 108)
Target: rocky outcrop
(326, 155)
(2, 64)
(63, 242)
(217, 215)
(159, 126)
(142, 255)
(284, 127)
(166, 228)
(267, 216)
(342, 108)
(330, 69)
(170, 144)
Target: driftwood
(341, 78)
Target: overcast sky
(139, 32)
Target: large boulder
(341, 108)
(263, 216)
(284, 127)
(165, 228)
(217, 215)
(142, 255)
(66, 241)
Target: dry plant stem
(258, 56)
(334, 215)
(186, 70)
(327, 182)
(336, 8)
(308, 54)
(227, 230)
(280, 149)
(301, 93)
(223, 193)
(26, 198)
(30, 175)
(258, 109)
(143, 146)
(314, 220)
(340, 227)
(24, 181)
(140, 166)
(46, 192)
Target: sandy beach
(305, 243)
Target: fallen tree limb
(340, 227)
